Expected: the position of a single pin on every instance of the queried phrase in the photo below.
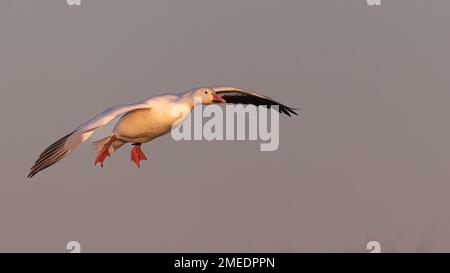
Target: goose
(146, 120)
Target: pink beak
(218, 99)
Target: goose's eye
(206, 92)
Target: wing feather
(242, 96)
(65, 145)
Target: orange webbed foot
(102, 155)
(137, 155)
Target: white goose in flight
(144, 121)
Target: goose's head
(206, 95)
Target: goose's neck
(187, 100)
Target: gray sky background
(368, 160)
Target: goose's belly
(145, 125)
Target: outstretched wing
(241, 96)
(68, 143)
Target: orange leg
(104, 153)
(137, 155)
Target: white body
(144, 125)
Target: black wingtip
(293, 110)
(288, 110)
(31, 175)
(50, 156)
